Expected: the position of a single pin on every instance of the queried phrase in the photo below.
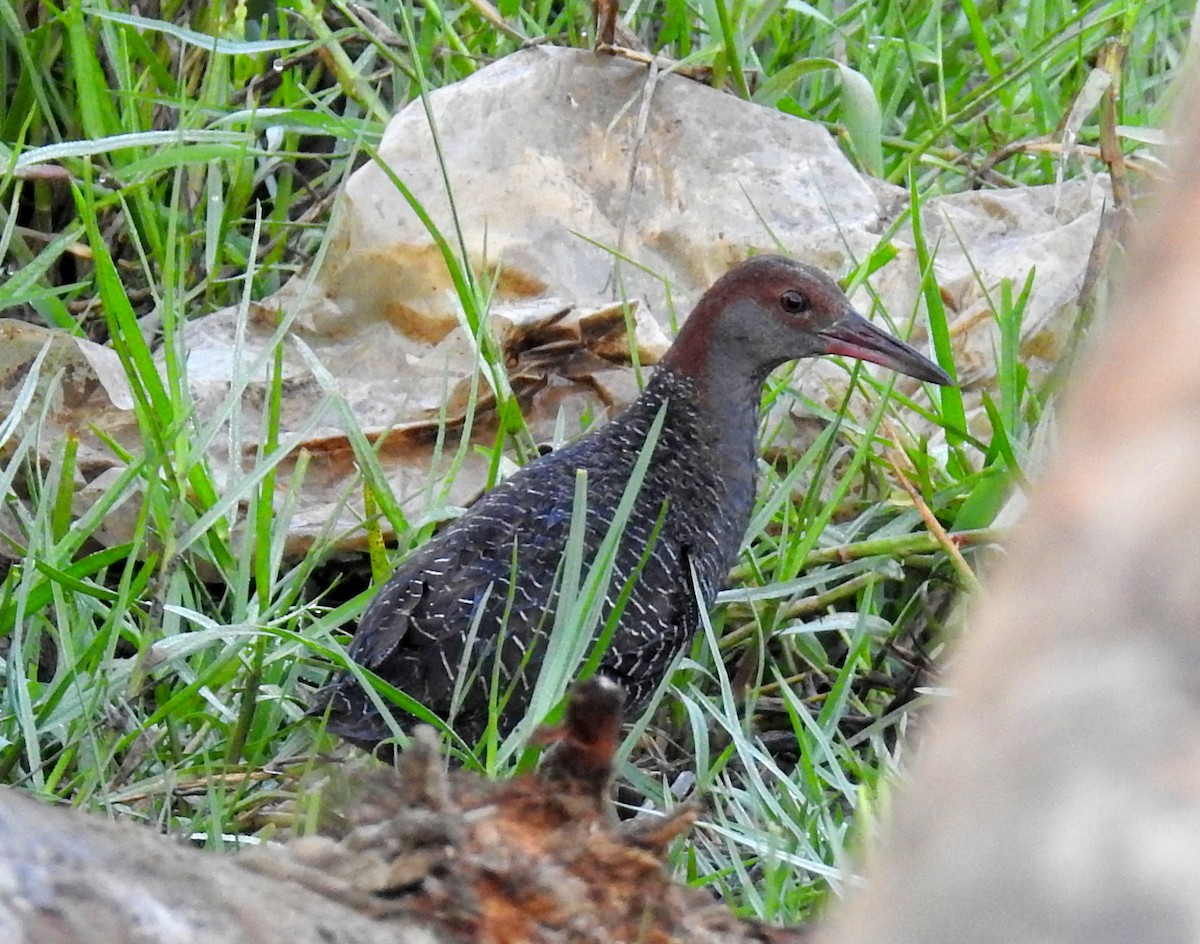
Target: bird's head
(771, 309)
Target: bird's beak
(854, 336)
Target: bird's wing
(388, 617)
(664, 618)
(429, 602)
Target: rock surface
(560, 161)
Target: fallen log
(422, 854)
(67, 878)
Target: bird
(489, 578)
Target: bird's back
(497, 568)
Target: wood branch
(69, 878)
(421, 854)
(1057, 795)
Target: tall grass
(154, 170)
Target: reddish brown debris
(581, 751)
(538, 858)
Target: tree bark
(69, 878)
(1057, 795)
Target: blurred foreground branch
(1057, 796)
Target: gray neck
(723, 416)
(731, 405)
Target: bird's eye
(794, 302)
